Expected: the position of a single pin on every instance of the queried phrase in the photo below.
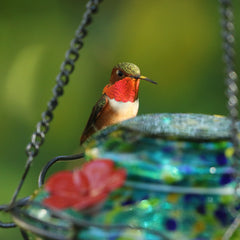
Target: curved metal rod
(43, 172)
(24, 234)
(23, 201)
(5, 207)
(7, 225)
(77, 224)
(67, 68)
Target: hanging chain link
(62, 79)
(232, 98)
(231, 75)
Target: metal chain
(62, 79)
(232, 98)
(231, 75)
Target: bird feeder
(157, 176)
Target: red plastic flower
(84, 187)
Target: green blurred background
(176, 43)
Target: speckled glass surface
(177, 125)
(180, 182)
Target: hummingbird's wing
(96, 112)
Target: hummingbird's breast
(117, 111)
(124, 109)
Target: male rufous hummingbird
(119, 100)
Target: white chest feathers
(128, 109)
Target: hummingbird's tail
(87, 134)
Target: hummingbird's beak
(144, 78)
(147, 79)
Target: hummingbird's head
(127, 70)
(124, 82)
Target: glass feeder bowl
(180, 184)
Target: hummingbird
(119, 100)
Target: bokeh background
(176, 43)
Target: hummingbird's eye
(119, 73)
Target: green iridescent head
(128, 68)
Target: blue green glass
(180, 181)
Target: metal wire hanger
(62, 79)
